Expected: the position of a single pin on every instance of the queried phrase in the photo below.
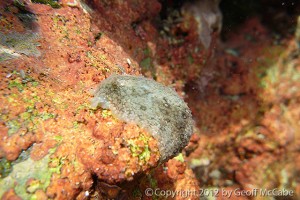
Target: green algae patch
(45, 116)
(5, 167)
(106, 113)
(139, 148)
(101, 62)
(52, 3)
(29, 119)
(26, 176)
(25, 95)
(22, 81)
(38, 171)
(13, 126)
(180, 157)
(17, 84)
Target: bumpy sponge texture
(154, 107)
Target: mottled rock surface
(151, 105)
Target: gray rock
(20, 43)
(152, 106)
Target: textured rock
(152, 106)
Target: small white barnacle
(154, 107)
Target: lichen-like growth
(154, 107)
(21, 43)
(22, 172)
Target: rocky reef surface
(238, 75)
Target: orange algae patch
(117, 151)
